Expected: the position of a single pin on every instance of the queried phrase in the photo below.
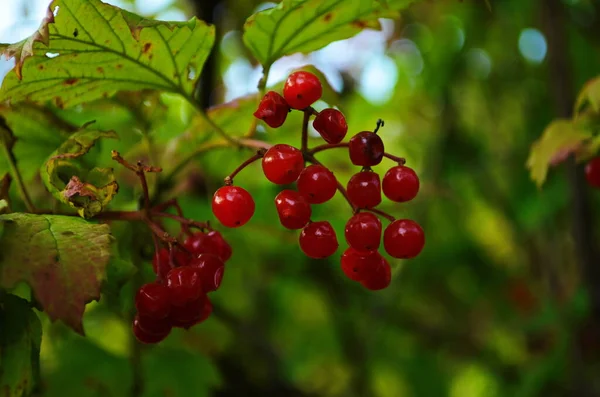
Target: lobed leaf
(62, 258)
(20, 340)
(560, 139)
(90, 49)
(308, 25)
(91, 195)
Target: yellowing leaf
(87, 192)
(307, 25)
(62, 258)
(589, 96)
(95, 49)
(560, 139)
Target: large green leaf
(87, 192)
(307, 25)
(20, 339)
(560, 139)
(91, 50)
(62, 258)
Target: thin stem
(399, 160)
(142, 175)
(327, 146)
(14, 170)
(304, 145)
(380, 123)
(311, 159)
(160, 233)
(118, 215)
(4, 188)
(182, 220)
(258, 155)
(172, 203)
(379, 212)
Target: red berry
(293, 209)
(354, 262)
(317, 184)
(379, 276)
(208, 243)
(152, 300)
(152, 325)
(302, 89)
(233, 206)
(318, 240)
(366, 149)
(161, 264)
(282, 164)
(273, 109)
(363, 232)
(211, 271)
(331, 124)
(592, 172)
(184, 285)
(403, 239)
(192, 313)
(364, 189)
(400, 184)
(147, 337)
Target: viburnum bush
(93, 136)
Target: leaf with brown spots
(134, 54)
(62, 258)
(308, 25)
(20, 339)
(87, 191)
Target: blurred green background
(497, 304)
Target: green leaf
(20, 339)
(308, 25)
(91, 195)
(561, 138)
(62, 258)
(99, 49)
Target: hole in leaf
(55, 11)
(52, 54)
(191, 73)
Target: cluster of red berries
(283, 164)
(592, 172)
(178, 297)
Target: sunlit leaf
(87, 192)
(20, 339)
(95, 49)
(62, 258)
(559, 140)
(308, 25)
(589, 96)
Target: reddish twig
(258, 155)
(379, 212)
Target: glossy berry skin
(282, 164)
(153, 326)
(293, 209)
(366, 149)
(192, 313)
(318, 240)
(184, 285)
(592, 172)
(331, 125)
(378, 276)
(302, 89)
(211, 269)
(400, 184)
(208, 243)
(273, 109)
(161, 262)
(355, 263)
(363, 232)
(153, 301)
(364, 189)
(233, 206)
(403, 239)
(317, 184)
(146, 337)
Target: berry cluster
(178, 297)
(283, 164)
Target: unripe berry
(233, 206)
(331, 125)
(302, 89)
(273, 109)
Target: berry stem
(399, 160)
(258, 155)
(311, 159)
(304, 143)
(158, 209)
(327, 146)
(140, 170)
(378, 212)
(380, 123)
